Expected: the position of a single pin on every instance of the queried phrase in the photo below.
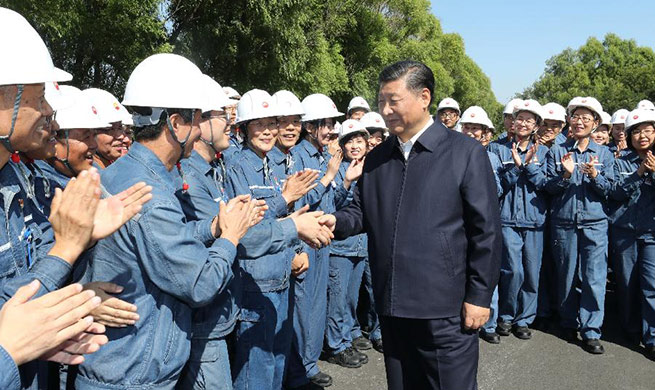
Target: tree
(616, 71)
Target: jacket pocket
(7, 264)
(447, 254)
(205, 350)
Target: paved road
(545, 362)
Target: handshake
(314, 228)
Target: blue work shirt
(162, 261)
(501, 141)
(201, 201)
(632, 198)
(353, 246)
(9, 376)
(232, 152)
(579, 200)
(321, 198)
(525, 202)
(496, 166)
(247, 176)
(283, 163)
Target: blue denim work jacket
(579, 200)
(353, 246)
(201, 201)
(167, 267)
(320, 198)
(496, 166)
(525, 202)
(247, 176)
(632, 198)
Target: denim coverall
(167, 266)
(209, 365)
(263, 334)
(522, 216)
(347, 262)
(579, 228)
(632, 216)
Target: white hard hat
(509, 107)
(646, 105)
(319, 106)
(26, 59)
(165, 81)
(82, 113)
(532, 106)
(606, 119)
(56, 98)
(336, 129)
(490, 124)
(589, 103)
(351, 126)
(639, 116)
(475, 115)
(109, 109)
(256, 104)
(620, 116)
(373, 120)
(554, 112)
(216, 99)
(358, 102)
(231, 93)
(449, 103)
(288, 104)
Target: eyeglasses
(529, 121)
(449, 114)
(221, 117)
(647, 132)
(50, 119)
(585, 119)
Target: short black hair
(152, 132)
(417, 75)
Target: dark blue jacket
(433, 225)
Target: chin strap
(6, 139)
(65, 159)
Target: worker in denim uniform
(347, 257)
(619, 142)
(523, 215)
(310, 292)
(580, 174)
(508, 119)
(264, 331)
(167, 264)
(476, 124)
(632, 200)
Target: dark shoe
(321, 379)
(570, 335)
(593, 346)
(346, 359)
(362, 344)
(650, 351)
(522, 332)
(490, 337)
(633, 338)
(541, 323)
(377, 345)
(504, 328)
(363, 358)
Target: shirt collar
(592, 146)
(252, 158)
(199, 163)
(150, 160)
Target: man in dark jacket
(427, 199)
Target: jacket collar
(429, 140)
(594, 147)
(199, 163)
(148, 159)
(252, 158)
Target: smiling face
(525, 124)
(355, 147)
(602, 135)
(642, 137)
(402, 109)
(448, 117)
(289, 131)
(549, 129)
(582, 123)
(30, 132)
(80, 149)
(321, 131)
(262, 134)
(618, 132)
(473, 130)
(357, 113)
(110, 141)
(375, 139)
(214, 128)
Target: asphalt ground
(545, 362)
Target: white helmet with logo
(606, 119)
(26, 59)
(639, 116)
(373, 120)
(350, 127)
(288, 104)
(554, 112)
(449, 103)
(109, 109)
(81, 111)
(319, 106)
(358, 102)
(256, 104)
(231, 93)
(646, 105)
(532, 106)
(216, 99)
(509, 107)
(589, 103)
(475, 115)
(620, 116)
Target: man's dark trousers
(434, 354)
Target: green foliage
(616, 71)
(336, 47)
